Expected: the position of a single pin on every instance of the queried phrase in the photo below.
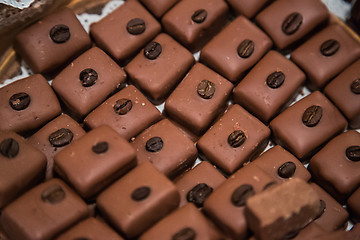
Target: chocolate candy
(159, 7)
(353, 204)
(301, 128)
(145, 211)
(52, 42)
(124, 31)
(247, 8)
(101, 152)
(228, 148)
(56, 206)
(157, 77)
(246, 44)
(287, 21)
(329, 52)
(165, 146)
(22, 107)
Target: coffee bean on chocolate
(100, 147)
(9, 148)
(19, 101)
(123, 106)
(199, 16)
(61, 137)
(60, 33)
(241, 194)
(198, 194)
(140, 193)
(154, 144)
(185, 234)
(136, 26)
(88, 77)
(152, 50)
(206, 89)
(312, 116)
(355, 86)
(329, 47)
(322, 208)
(353, 153)
(292, 23)
(287, 170)
(236, 138)
(53, 194)
(246, 48)
(275, 79)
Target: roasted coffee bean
(136, 26)
(19, 101)
(246, 48)
(206, 89)
(241, 194)
(185, 234)
(88, 77)
(123, 106)
(198, 194)
(152, 50)
(355, 86)
(287, 170)
(60, 33)
(312, 116)
(236, 138)
(154, 144)
(275, 80)
(140, 193)
(53, 194)
(292, 23)
(100, 147)
(199, 16)
(269, 185)
(329, 47)
(9, 148)
(61, 137)
(353, 153)
(322, 209)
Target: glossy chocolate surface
(159, 7)
(247, 8)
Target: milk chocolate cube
(52, 42)
(353, 204)
(166, 147)
(95, 160)
(307, 125)
(198, 99)
(159, 67)
(43, 212)
(247, 8)
(123, 32)
(336, 167)
(22, 107)
(194, 23)
(245, 45)
(88, 81)
(184, 223)
(138, 200)
(236, 138)
(159, 7)
(21, 166)
(54, 137)
(282, 209)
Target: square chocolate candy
(236, 138)
(95, 160)
(245, 45)
(138, 200)
(43, 212)
(194, 23)
(270, 86)
(159, 7)
(22, 107)
(88, 81)
(52, 42)
(198, 99)
(123, 32)
(326, 54)
(247, 8)
(308, 124)
(21, 166)
(159, 67)
(128, 112)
